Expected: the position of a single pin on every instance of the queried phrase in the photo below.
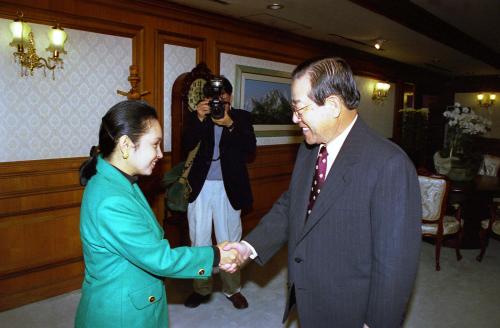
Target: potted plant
(459, 159)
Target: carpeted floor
(463, 294)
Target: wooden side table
(475, 198)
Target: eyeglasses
(299, 111)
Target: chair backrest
(433, 191)
(490, 165)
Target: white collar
(333, 147)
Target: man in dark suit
(219, 180)
(351, 214)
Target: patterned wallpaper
(42, 118)
(177, 60)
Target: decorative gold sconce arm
(29, 60)
(486, 102)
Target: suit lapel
(338, 179)
(304, 183)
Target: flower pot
(460, 171)
(455, 168)
(441, 164)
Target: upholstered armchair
(490, 165)
(489, 226)
(435, 224)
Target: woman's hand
(228, 259)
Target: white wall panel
(176, 60)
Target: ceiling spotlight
(378, 44)
(275, 6)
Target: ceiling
(451, 37)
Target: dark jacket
(355, 259)
(235, 147)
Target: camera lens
(216, 108)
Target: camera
(213, 89)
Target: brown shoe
(239, 301)
(195, 299)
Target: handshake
(233, 255)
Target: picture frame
(266, 94)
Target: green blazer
(126, 256)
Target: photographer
(219, 179)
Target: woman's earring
(125, 155)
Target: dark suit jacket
(235, 148)
(355, 259)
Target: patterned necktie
(319, 178)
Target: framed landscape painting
(266, 95)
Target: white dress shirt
(333, 147)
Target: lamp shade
(382, 86)
(57, 38)
(20, 32)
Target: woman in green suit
(124, 250)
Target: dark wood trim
(42, 166)
(398, 104)
(489, 83)
(42, 267)
(197, 43)
(40, 191)
(33, 291)
(39, 210)
(489, 146)
(255, 52)
(68, 19)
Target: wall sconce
(380, 91)
(489, 101)
(25, 55)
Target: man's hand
(228, 258)
(202, 109)
(243, 250)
